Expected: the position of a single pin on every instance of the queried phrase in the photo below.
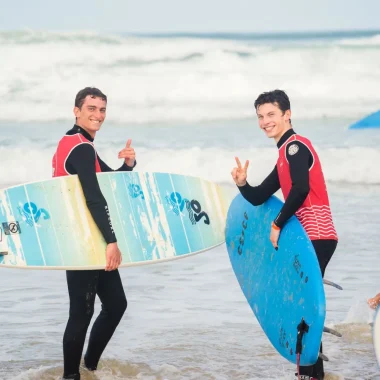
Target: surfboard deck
(282, 287)
(156, 217)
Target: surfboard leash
(302, 328)
(298, 366)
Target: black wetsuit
(84, 285)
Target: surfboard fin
(3, 253)
(327, 282)
(323, 357)
(332, 331)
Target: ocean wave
(372, 41)
(183, 79)
(354, 165)
(30, 37)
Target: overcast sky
(144, 16)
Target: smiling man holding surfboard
(298, 173)
(76, 154)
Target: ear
(288, 115)
(76, 111)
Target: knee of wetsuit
(120, 310)
(124, 306)
(83, 316)
(116, 311)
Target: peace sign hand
(239, 173)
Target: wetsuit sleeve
(257, 195)
(123, 168)
(81, 161)
(300, 160)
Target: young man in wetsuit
(76, 154)
(299, 174)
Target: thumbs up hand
(128, 153)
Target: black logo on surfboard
(244, 225)
(282, 337)
(177, 204)
(296, 264)
(298, 267)
(11, 228)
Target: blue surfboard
(370, 121)
(283, 287)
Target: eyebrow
(92, 106)
(268, 113)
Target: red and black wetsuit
(299, 174)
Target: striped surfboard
(156, 217)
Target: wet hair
(277, 97)
(92, 91)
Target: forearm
(82, 162)
(123, 168)
(98, 207)
(257, 195)
(293, 202)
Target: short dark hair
(92, 91)
(277, 97)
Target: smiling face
(273, 121)
(91, 115)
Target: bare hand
(128, 154)
(274, 236)
(113, 257)
(239, 173)
(374, 302)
